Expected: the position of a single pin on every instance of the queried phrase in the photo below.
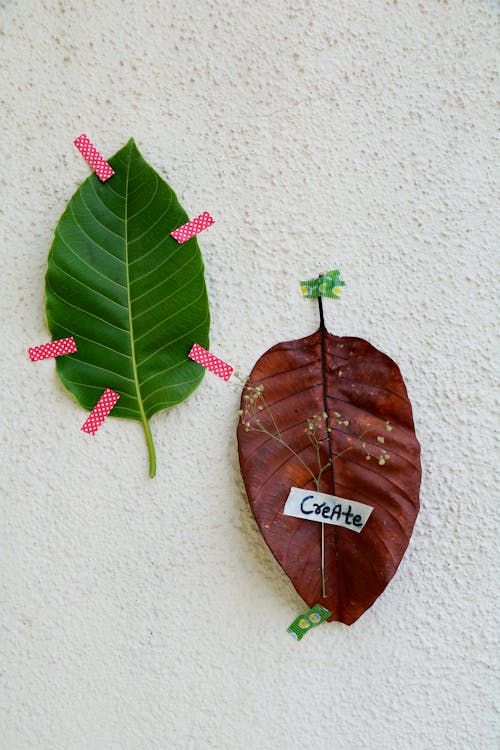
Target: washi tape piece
(92, 156)
(327, 285)
(315, 616)
(195, 226)
(211, 362)
(52, 349)
(100, 411)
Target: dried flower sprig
(317, 428)
(254, 402)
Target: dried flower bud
(380, 439)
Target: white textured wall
(354, 133)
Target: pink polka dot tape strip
(94, 158)
(100, 411)
(211, 362)
(195, 226)
(52, 349)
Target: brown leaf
(346, 376)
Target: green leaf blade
(133, 298)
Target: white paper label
(318, 506)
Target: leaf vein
(76, 307)
(152, 226)
(172, 341)
(87, 286)
(150, 201)
(97, 221)
(174, 293)
(180, 310)
(92, 268)
(93, 341)
(90, 239)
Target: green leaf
(133, 298)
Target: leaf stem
(321, 314)
(151, 448)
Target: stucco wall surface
(144, 614)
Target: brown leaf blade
(366, 387)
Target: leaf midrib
(142, 412)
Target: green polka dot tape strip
(327, 285)
(308, 620)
